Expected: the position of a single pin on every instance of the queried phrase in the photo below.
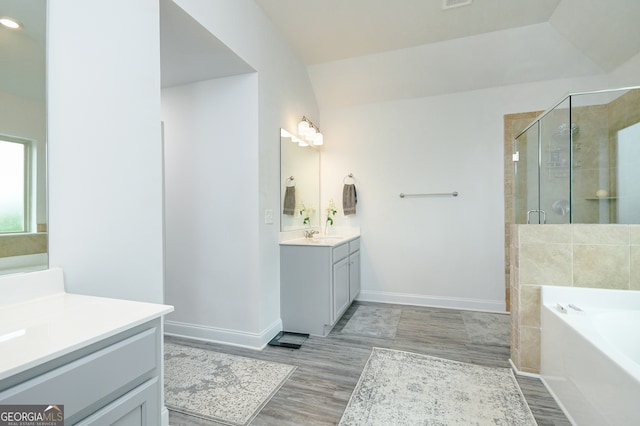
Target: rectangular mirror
(23, 197)
(299, 183)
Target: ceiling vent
(450, 4)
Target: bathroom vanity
(319, 278)
(100, 358)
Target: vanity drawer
(340, 252)
(354, 245)
(93, 380)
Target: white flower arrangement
(306, 213)
(331, 212)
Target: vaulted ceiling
(360, 51)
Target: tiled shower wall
(578, 255)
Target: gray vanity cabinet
(115, 381)
(318, 283)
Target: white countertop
(320, 240)
(38, 329)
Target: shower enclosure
(579, 161)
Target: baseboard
(225, 336)
(523, 373)
(164, 416)
(497, 306)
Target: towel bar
(437, 194)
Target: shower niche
(579, 161)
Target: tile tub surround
(576, 255)
(514, 124)
(22, 244)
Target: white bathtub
(590, 359)
(25, 263)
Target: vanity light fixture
(310, 132)
(10, 23)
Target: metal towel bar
(437, 194)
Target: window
(14, 185)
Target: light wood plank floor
(328, 368)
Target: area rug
(225, 388)
(403, 388)
(487, 329)
(373, 321)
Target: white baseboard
(164, 416)
(497, 306)
(220, 335)
(523, 373)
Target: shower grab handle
(544, 216)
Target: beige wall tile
(601, 266)
(530, 349)
(634, 274)
(545, 264)
(634, 234)
(18, 245)
(600, 234)
(530, 306)
(515, 343)
(544, 234)
(515, 358)
(515, 232)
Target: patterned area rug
(402, 388)
(487, 329)
(373, 321)
(225, 388)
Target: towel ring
(291, 181)
(349, 176)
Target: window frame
(28, 190)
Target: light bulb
(319, 139)
(303, 128)
(10, 23)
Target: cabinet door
(340, 288)
(139, 407)
(354, 275)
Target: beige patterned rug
(225, 388)
(403, 388)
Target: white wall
(284, 95)
(626, 74)
(211, 174)
(105, 153)
(431, 251)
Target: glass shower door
(526, 176)
(556, 133)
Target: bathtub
(25, 263)
(590, 356)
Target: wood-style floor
(328, 368)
